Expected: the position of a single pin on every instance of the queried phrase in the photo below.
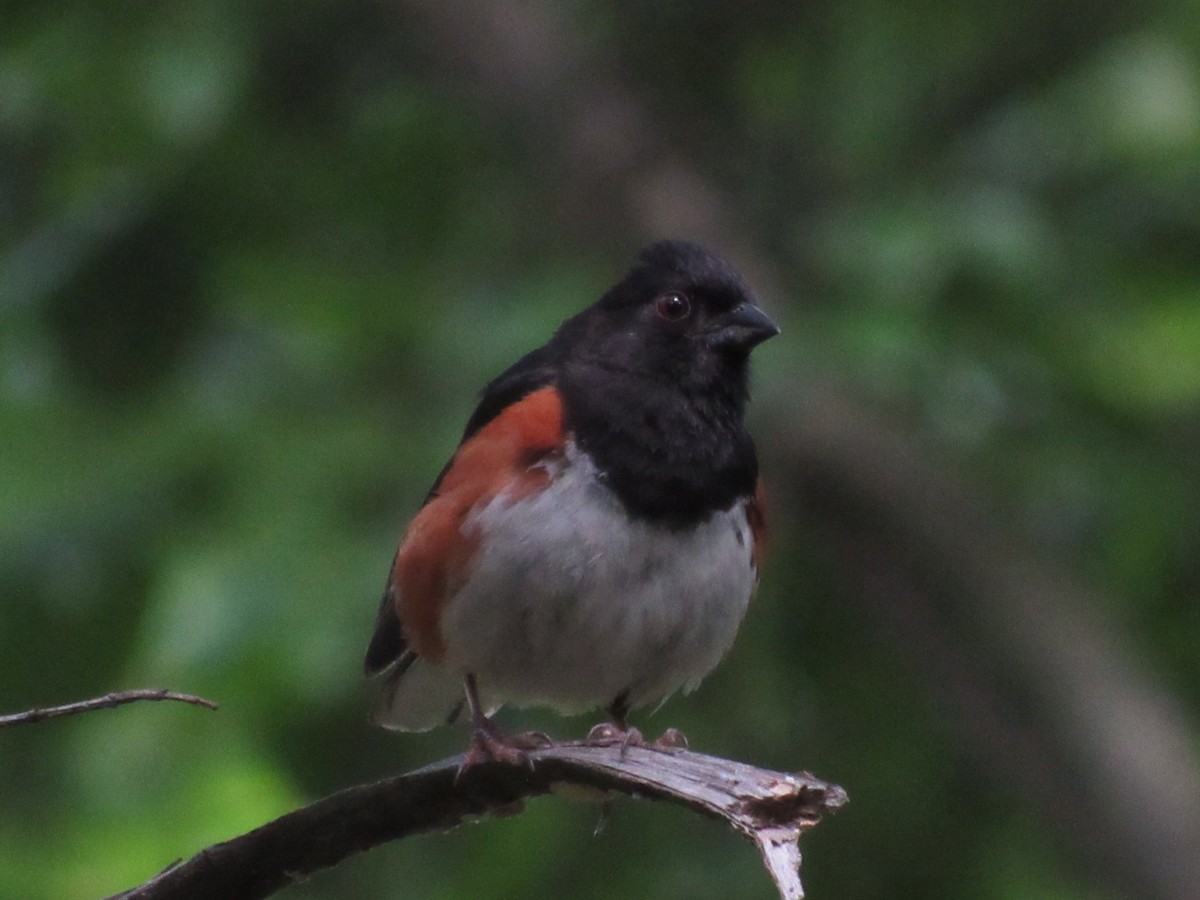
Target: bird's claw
(490, 744)
(671, 739)
(610, 734)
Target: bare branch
(770, 808)
(108, 701)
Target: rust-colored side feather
(756, 517)
(434, 556)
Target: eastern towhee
(595, 539)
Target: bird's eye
(673, 307)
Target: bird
(595, 539)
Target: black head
(681, 314)
(654, 380)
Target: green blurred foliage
(255, 260)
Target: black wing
(531, 372)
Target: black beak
(742, 328)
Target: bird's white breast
(571, 603)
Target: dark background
(255, 260)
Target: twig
(108, 701)
(770, 808)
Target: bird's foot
(610, 734)
(490, 744)
(671, 739)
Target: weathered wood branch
(108, 701)
(769, 808)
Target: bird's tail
(417, 696)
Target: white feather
(571, 604)
(419, 698)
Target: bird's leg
(488, 742)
